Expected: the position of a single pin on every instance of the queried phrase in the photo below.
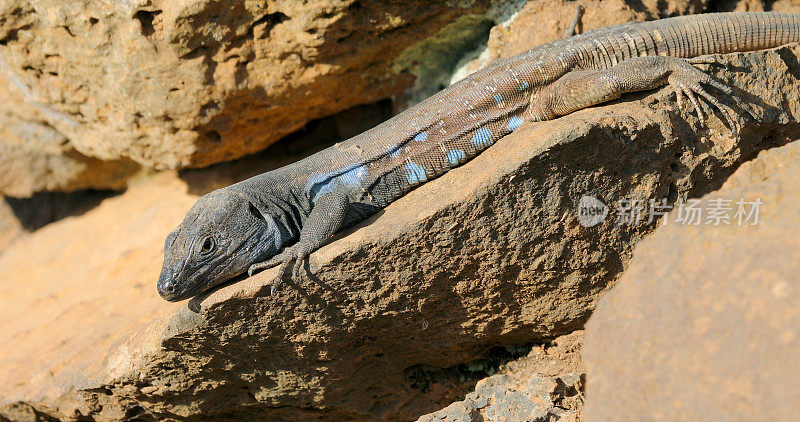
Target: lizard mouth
(175, 286)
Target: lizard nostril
(166, 286)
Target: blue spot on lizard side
(394, 152)
(482, 138)
(415, 174)
(514, 123)
(455, 156)
(421, 137)
(322, 188)
(524, 86)
(353, 177)
(320, 184)
(499, 100)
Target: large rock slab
(490, 254)
(705, 324)
(167, 84)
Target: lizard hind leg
(583, 88)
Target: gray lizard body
(280, 217)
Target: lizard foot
(281, 273)
(688, 81)
(285, 259)
(275, 260)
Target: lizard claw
(285, 259)
(275, 260)
(689, 81)
(279, 278)
(255, 268)
(261, 266)
(298, 272)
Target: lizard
(279, 217)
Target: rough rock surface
(545, 385)
(705, 324)
(490, 254)
(37, 157)
(101, 86)
(785, 6)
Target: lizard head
(221, 235)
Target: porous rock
(490, 254)
(165, 84)
(545, 385)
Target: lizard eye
(208, 244)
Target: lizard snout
(166, 285)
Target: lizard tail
(697, 35)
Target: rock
(106, 87)
(492, 253)
(544, 385)
(37, 157)
(79, 286)
(705, 324)
(10, 226)
(18, 217)
(785, 6)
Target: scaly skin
(280, 217)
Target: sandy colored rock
(545, 385)
(785, 6)
(173, 84)
(705, 324)
(492, 253)
(10, 226)
(35, 156)
(87, 283)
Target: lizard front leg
(583, 88)
(325, 219)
